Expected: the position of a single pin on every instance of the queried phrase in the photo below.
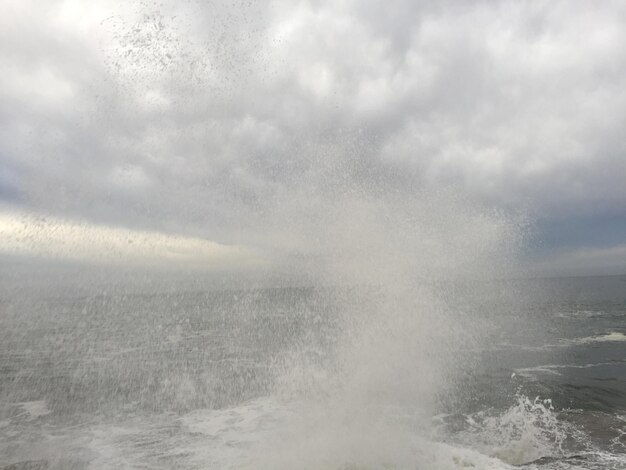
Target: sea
(194, 377)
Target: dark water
(564, 358)
(187, 379)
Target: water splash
(409, 283)
(527, 431)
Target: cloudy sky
(182, 128)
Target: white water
(263, 434)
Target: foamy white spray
(395, 257)
(333, 213)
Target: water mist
(400, 263)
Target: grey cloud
(9, 191)
(196, 117)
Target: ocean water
(149, 378)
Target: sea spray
(398, 261)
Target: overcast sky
(194, 120)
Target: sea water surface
(145, 377)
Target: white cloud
(53, 238)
